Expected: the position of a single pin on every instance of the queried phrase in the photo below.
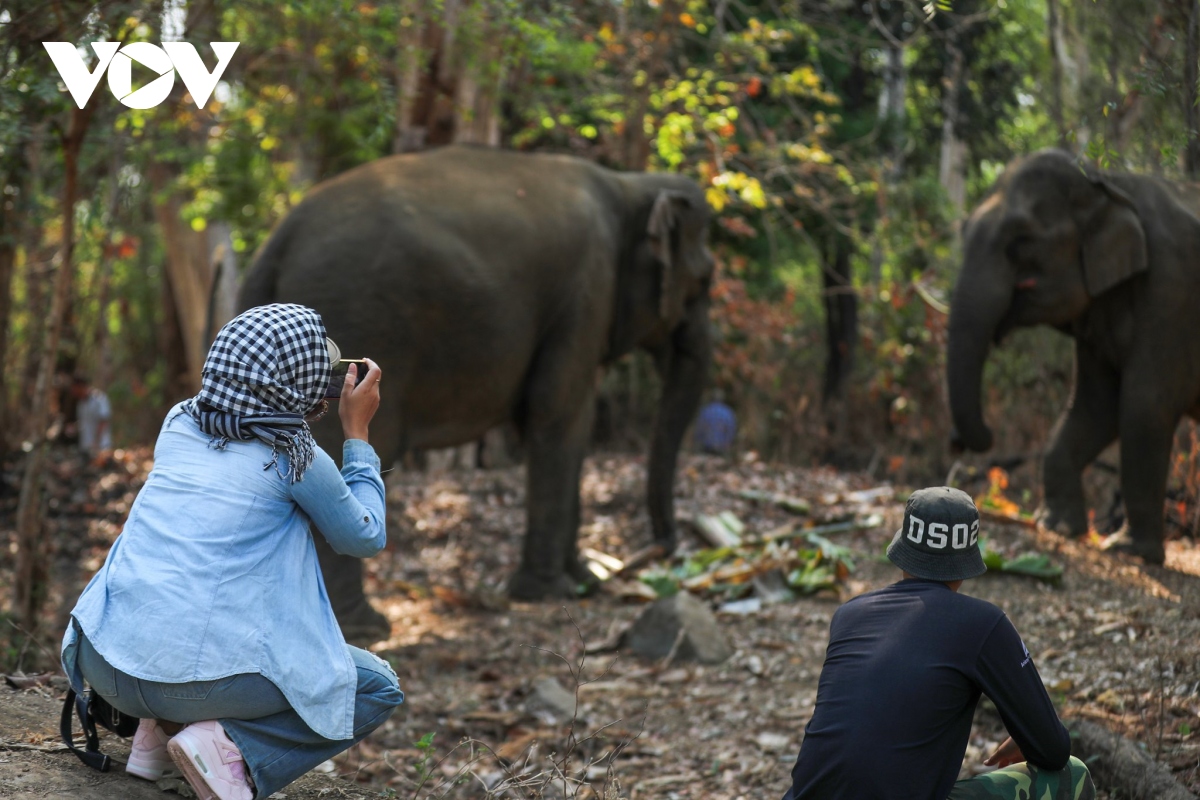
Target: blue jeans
(275, 742)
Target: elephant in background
(1113, 260)
(490, 286)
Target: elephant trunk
(977, 307)
(683, 366)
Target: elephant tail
(259, 286)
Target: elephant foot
(1152, 552)
(1066, 522)
(364, 625)
(586, 581)
(532, 586)
(668, 542)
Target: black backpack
(92, 708)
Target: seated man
(904, 669)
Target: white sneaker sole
(152, 771)
(187, 758)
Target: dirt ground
(1117, 643)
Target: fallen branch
(41, 748)
(1117, 763)
(796, 505)
(873, 521)
(641, 558)
(996, 516)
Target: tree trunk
(410, 63)
(477, 103)
(635, 143)
(891, 108)
(952, 166)
(102, 372)
(841, 321)
(223, 285)
(21, 183)
(1075, 57)
(36, 290)
(1053, 23)
(173, 348)
(1191, 113)
(477, 88)
(29, 585)
(1130, 108)
(8, 257)
(11, 214)
(188, 269)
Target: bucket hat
(939, 539)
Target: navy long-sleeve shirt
(904, 669)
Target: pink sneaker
(211, 763)
(149, 758)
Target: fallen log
(1117, 763)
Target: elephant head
(1048, 239)
(662, 306)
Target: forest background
(840, 144)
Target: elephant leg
(1146, 439)
(360, 623)
(1088, 426)
(584, 579)
(557, 425)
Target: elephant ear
(1114, 241)
(664, 219)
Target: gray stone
(772, 587)
(681, 627)
(550, 696)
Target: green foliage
(812, 577)
(1033, 565)
(424, 746)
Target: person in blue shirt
(209, 620)
(904, 670)
(716, 427)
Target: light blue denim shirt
(215, 572)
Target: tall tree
(29, 586)
(1191, 97)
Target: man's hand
(359, 401)
(1007, 753)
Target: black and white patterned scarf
(265, 371)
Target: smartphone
(338, 377)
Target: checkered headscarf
(266, 370)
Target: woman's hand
(360, 400)
(1007, 753)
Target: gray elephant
(1112, 260)
(490, 286)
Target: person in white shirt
(93, 416)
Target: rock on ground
(682, 627)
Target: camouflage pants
(1026, 782)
